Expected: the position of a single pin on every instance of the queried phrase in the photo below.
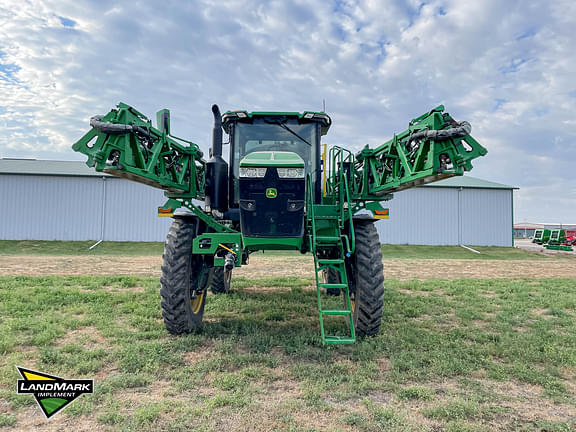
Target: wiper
(283, 126)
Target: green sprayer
(541, 236)
(280, 190)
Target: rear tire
(182, 274)
(220, 280)
(366, 278)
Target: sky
(506, 67)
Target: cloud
(508, 71)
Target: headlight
(290, 172)
(252, 172)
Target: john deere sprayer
(280, 190)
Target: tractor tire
(331, 276)
(366, 277)
(182, 274)
(220, 280)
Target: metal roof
(469, 183)
(80, 169)
(528, 225)
(47, 167)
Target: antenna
(323, 105)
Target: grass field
(13, 247)
(470, 354)
(464, 355)
(30, 247)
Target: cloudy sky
(507, 67)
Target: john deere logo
(271, 193)
(52, 393)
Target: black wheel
(331, 276)
(366, 277)
(184, 279)
(220, 280)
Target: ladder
(325, 222)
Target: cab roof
(306, 116)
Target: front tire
(366, 278)
(184, 279)
(221, 279)
(331, 276)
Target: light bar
(290, 172)
(254, 172)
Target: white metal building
(56, 200)
(459, 210)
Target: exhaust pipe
(216, 188)
(216, 149)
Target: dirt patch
(523, 402)
(526, 401)
(488, 294)
(41, 265)
(262, 265)
(116, 289)
(542, 313)
(140, 396)
(267, 289)
(473, 269)
(32, 419)
(479, 323)
(384, 365)
(421, 293)
(122, 321)
(89, 337)
(199, 354)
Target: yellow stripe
(31, 376)
(228, 249)
(165, 214)
(381, 217)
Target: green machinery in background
(541, 236)
(561, 239)
(555, 239)
(280, 190)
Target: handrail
(340, 188)
(310, 212)
(352, 244)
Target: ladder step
(336, 312)
(339, 340)
(333, 286)
(330, 261)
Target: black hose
(464, 128)
(109, 128)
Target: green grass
(29, 247)
(458, 252)
(451, 355)
(37, 247)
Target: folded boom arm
(124, 143)
(434, 147)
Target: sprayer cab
(271, 153)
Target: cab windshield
(274, 135)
